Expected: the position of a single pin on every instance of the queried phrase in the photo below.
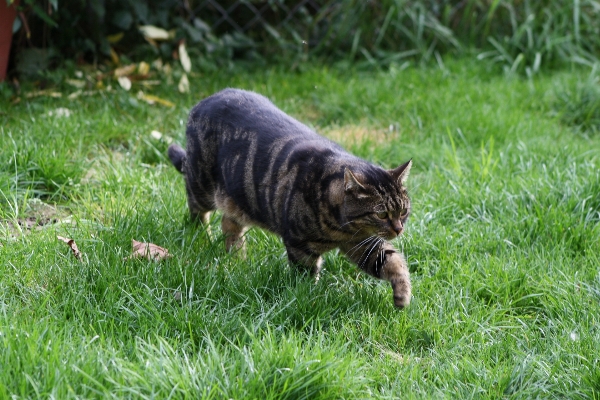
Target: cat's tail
(177, 156)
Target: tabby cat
(261, 167)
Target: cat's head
(376, 202)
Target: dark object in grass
(261, 167)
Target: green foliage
(578, 104)
(503, 246)
(96, 31)
(86, 27)
(520, 36)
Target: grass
(503, 245)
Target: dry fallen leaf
(184, 58)
(60, 112)
(126, 70)
(157, 64)
(150, 83)
(116, 38)
(148, 250)
(184, 84)
(75, 95)
(154, 32)
(156, 135)
(143, 68)
(79, 93)
(72, 245)
(77, 83)
(38, 93)
(151, 99)
(114, 56)
(124, 82)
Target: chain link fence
(257, 19)
(272, 25)
(244, 15)
(368, 28)
(516, 33)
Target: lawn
(503, 244)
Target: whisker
(356, 233)
(372, 247)
(347, 223)
(381, 256)
(356, 247)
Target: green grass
(503, 245)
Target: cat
(261, 167)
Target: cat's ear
(351, 182)
(401, 173)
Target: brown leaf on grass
(78, 93)
(148, 250)
(143, 68)
(124, 82)
(156, 135)
(150, 83)
(151, 99)
(154, 33)
(114, 56)
(60, 112)
(184, 84)
(184, 58)
(116, 38)
(72, 245)
(125, 71)
(77, 83)
(47, 92)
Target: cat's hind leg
(380, 259)
(199, 210)
(203, 217)
(199, 202)
(234, 235)
(197, 213)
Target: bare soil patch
(37, 215)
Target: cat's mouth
(391, 234)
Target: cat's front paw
(402, 292)
(395, 270)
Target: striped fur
(261, 167)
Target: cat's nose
(397, 227)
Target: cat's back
(249, 113)
(233, 103)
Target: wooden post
(7, 18)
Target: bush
(522, 36)
(579, 105)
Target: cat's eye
(403, 213)
(382, 215)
